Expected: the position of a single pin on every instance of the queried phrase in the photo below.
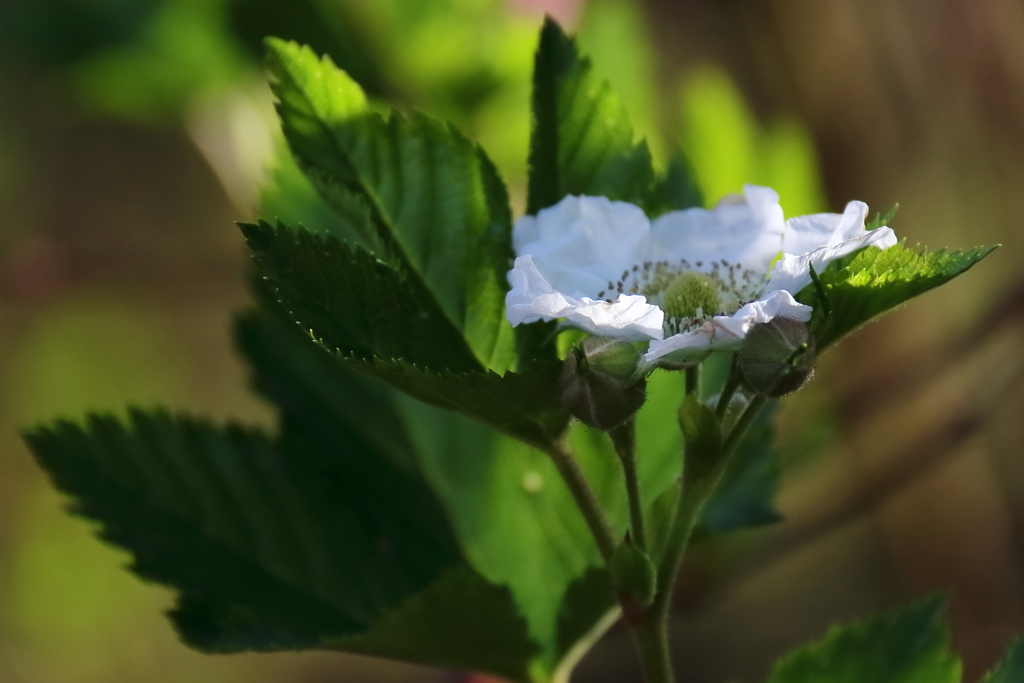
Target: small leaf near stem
(585, 499)
(624, 438)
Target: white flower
(692, 281)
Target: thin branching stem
(585, 499)
(651, 631)
(624, 438)
(728, 391)
(693, 379)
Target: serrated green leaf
(454, 620)
(313, 391)
(459, 622)
(873, 281)
(521, 405)
(907, 645)
(1011, 669)
(582, 140)
(588, 600)
(460, 458)
(355, 303)
(434, 199)
(272, 544)
(290, 197)
(581, 143)
(385, 326)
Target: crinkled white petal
(793, 272)
(532, 298)
(808, 233)
(582, 242)
(745, 229)
(724, 332)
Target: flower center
(691, 294)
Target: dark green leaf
(460, 622)
(520, 526)
(432, 198)
(872, 281)
(272, 545)
(329, 28)
(355, 303)
(1011, 669)
(582, 141)
(676, 190)
(289, 197)
(588, 610)
(315, 393)
(745, 497)
(908, 645)
(522, 406)
(455, 620)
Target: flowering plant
(495, 441)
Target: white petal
(725, 332)
(793, 272)
(807, 233)
(744, 229)
(532, 298)
(583, 242)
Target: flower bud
(777, 357)
(634, 575)
(598, 386)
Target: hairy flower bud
(777, 357)
(598, 386)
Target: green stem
(728, 391)
(624, 438)
(651, 630)
(585, 499)
(692, 379)
(651, 639)
(691, 501)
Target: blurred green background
(134, 132)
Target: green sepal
(906, 645)
(882, 219)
